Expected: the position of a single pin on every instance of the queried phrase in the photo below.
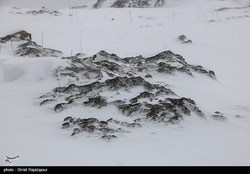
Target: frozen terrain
(219, 31)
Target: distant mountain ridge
(129, 3)
(95, 4)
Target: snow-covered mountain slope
(100, 86)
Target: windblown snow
(83, 83)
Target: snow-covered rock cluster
(105, 128)
(106, 80)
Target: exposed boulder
(184, 39)
(65, 125)
(148, 76)
(69, 119)
(218, 116)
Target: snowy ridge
(129, 3)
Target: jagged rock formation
(110, 64)
(106, 129)
(169, 110)
(129, 3)
(106, 80)
(22, 45)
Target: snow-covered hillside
(125, 86)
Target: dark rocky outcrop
(65, 125)
(170, 110)
(47, 101)
(108, 137)
(218, 116)
(18, 36)
(109, 66)
(130, 3)
(60, 107)
(138, 3)
(69, 119)
(168, 62)
(148, 76)
(24, 46)
(98, 4)
(96, 102)
(31, 49)
(43, 11)
(165, 62)
(184, 39)
(106, 80)
(114, 84)
(106, 129)
(120, 3)
(81, 68)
